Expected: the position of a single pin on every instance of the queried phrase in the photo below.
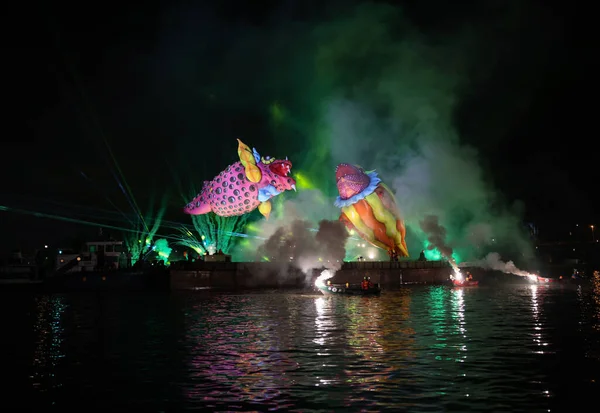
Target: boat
(83, 271)
(349, 289)
(465, 283)
(105, 265)
(562, 280)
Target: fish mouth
(281, 167)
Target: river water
(430, 348)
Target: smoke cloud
(436, 235)
(297, 245)
(493, 262)
(400, 120)
(367, 85)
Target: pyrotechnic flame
(493, 262)
(457, 274)
(511, 269)
(325, 275)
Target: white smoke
(493, 262)
(398, 115)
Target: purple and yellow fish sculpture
(243, 186)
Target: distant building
(96, 255)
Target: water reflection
(236, 347)
(589, 320)
(536, 309)
(596, 300)
(327, 338)
(403, 351)
(324, 323)
(49, 337)
(458, 316)
(397, 336)
(398, 333)
(438, 321)
(365, 332)
(376, 333)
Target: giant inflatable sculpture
(369, 208)
(243, 186)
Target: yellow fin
(247, 158)
(265, 208)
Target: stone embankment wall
(239, 275)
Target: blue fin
(256, 155)
(267, 192)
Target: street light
(593, 235)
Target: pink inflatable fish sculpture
(244, 186)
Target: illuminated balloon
(369, 208)
(243, 186)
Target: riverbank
(252, 275)
(390, 275)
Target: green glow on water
(437, 313)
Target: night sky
(169, 87)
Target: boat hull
(457, 283)
(343, 290)
(548, 280)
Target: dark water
(507, 349)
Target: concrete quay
(244, 275)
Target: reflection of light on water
(437, 313)
(460, 308)
(320, 305)
(230, 343)
(397, 332)
(589, 316)
(48, 350)
(325, 338)
(323, 321)
(537, 324)
(366, 332)
(368, 363)
(458, 313)
(596, 299)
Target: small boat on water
(348, 289)
(460, 280)
(561, 281)
(465, 283)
